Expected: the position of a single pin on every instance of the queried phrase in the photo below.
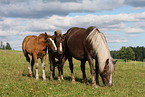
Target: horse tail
(26, 39)
(23, 46)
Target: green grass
(128, 80)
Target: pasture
(128, 79)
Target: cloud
(115, 38)
(130, 30)
(118, 22)
(44, 8)
(135, 3)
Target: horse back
(75, 42)
(27, 44)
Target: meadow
(128, 80)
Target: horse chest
(41, 54)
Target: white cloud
(20, 26)
(106, 23)
(130, 30)
(115, 38)
(43, 8)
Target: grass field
(128, 80)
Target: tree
(1, 44)
(8, 47)
(139, 53)
(127, 53)
(115, 54)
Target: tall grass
(128, 79)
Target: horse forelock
(100, 48)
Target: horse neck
(100, 47)
(41, 41)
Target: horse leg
(61, 63)
(83, 71)
(43, 67)
(90, 60)
(71, 68)
(35, 62)
(28, 60)
(32, 64)
(52, 68)
(37, 76)
(59, 71)
(62, 72)
(97, 73)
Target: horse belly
(76, 49)
(29, 48)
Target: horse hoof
(59, 78)
(37, 79)
(31, 75)
(85, 81)
(62, 78)
(73, 81)
(95, 86)
(44, 79)
(51, 79)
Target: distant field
(128, 80)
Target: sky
(122, 21)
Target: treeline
(129, 53)
(5, 47)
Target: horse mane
(100, 48)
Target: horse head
(58, 39)
(47, 39)
(106, 75)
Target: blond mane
(100, 48)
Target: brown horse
(36, 46)
(86, 45)
(54, 56)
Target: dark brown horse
(54, 56)
(86, 45)
(36, 46)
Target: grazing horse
(36, 46)
(54, 56)
(86, 45)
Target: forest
(5, 47)
(131, 53)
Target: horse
(55, 56)
(86, 45)
(36, 46)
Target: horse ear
(57, 33)
(114, 62)
(107, 62)
(106, 67)
(45, 33)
